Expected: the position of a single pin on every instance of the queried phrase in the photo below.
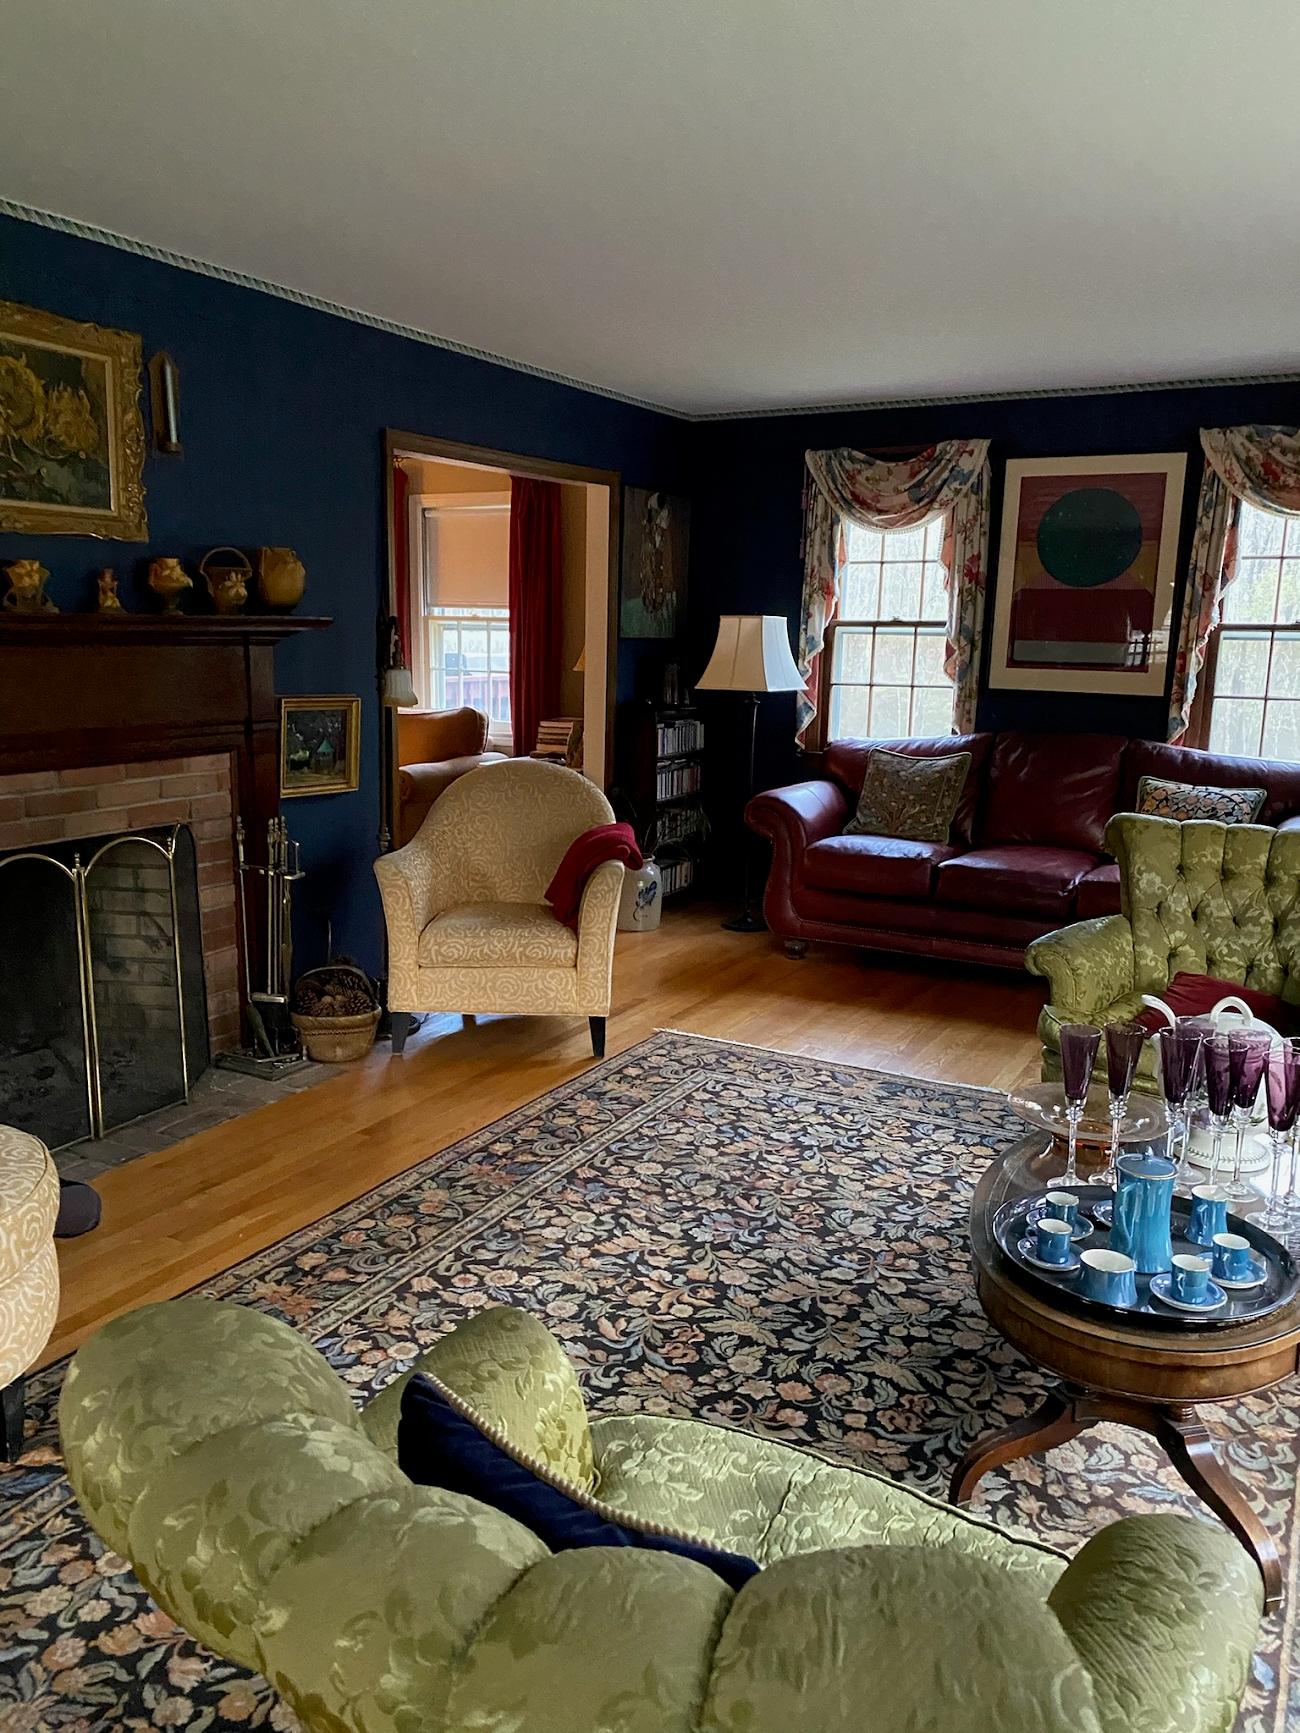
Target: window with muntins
(884, 650)
(1251, 679)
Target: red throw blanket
(584, 854)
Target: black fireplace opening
(103, 1013)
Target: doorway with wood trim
(469, 530)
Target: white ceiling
(706, 204)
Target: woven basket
(335, 1040)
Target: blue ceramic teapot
(1144, 1199)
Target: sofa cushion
(879, 866)
(1017, 879)
(498, 935)
(442, 1441)
(1186, 764)
(1052, 789)
(846, 762)
(908, 796)
(1190, 995)
(1098, 893)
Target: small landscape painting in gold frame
(320, 745)
(71, 432)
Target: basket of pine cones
(336, 1011)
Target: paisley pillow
(909, 797)
(441, 1441)
(1184, 800)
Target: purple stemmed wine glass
(1181, 1050)
(1282, 1094)
(1218, 1094)
(1123, 1050)
(1247, 1057)
(1079, 1044)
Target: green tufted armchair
(214, 1448)
(1200, 897)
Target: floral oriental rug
(777, 1243)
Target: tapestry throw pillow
(442, 1442)
(912, 798)
(1184, 800)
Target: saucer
(1026, 1250)
(1214, 1295)
(1252, 1282)
(1103, 1213)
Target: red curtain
(536, 600)
(402, 560)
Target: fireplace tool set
(276, 1048)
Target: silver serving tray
(1011, 1224)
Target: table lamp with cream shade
(752, 655)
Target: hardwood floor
(175, 1218)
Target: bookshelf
(661, 755)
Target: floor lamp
(752, 655)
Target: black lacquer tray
(1013, 1223)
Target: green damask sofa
(213, 1447)
(1200, 897)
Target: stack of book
(560, 739)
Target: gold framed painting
(71, 432)
(1085, 588)
(320, 745)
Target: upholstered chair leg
(13, 1403)
(402, 1023)
(597, 1036)
(796, 947)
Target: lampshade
(752, 654)
(399, 690)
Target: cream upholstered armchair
(469, 927)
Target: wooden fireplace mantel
(79, 690)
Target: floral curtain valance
(849, 487)
(1262, 466)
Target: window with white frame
(884, 650)
(1250, 685)
(460, 603)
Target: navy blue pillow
(438, 1445)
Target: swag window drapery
(850, 487)
(536, 607)
(1262, 466)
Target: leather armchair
(1202, 898)
(469, 927)
(435, 747)
(214, 1448)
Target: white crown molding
(205, 268)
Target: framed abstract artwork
(71, 432)
(1085, 582)
(320, 745)
(652, 585)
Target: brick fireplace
(113, 724)
(47, 806)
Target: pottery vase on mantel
(281, 578)
(641, 902)
(169, 580)
(27, 581)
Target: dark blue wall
(282, 415)
(747, 513)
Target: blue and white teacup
(1209, 1214)
(1189, 1278)
(1110, 1277)
(1234, 1260)
(1053, 1241)
(1063, 1206)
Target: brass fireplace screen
(102, 1008)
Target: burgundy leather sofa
(1024, 855)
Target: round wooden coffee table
(1109, 1369)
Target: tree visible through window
(885, 648)
(1251, 680)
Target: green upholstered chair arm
(1088, 966)
(1164, 1612)
(510, 1369)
